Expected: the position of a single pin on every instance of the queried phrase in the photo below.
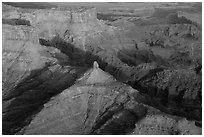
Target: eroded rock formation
(47, 57)
(98, 104)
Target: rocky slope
(45, 58)
(31, 74)
(98, 104)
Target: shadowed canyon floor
(70, 70)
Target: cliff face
(31, 74)
(78, 26)
(29, 67)
(47, 57)
(84, 15)
(48, 23)
(86, 31)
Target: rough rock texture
(48, 23)
(98, 104)
(172, 91)
(83, 15)
(169, 35)
(87, 33)
(42, 60)
(79, 26)
(95, 98)
(20, 55)
(154, 81)
(6, 7)
(31, 75)
(157, 123)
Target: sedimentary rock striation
(98, 104)
(49, 88)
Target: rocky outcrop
(20, 55)
(98, 104)
(83, 15)
(90, 34)
(144, 78)
(79, 26)
(157, 123)
(31, 75)
(44, 59)
(178, 44)
(170, 35)
(178, 91)
(48, 23)
(85, 107)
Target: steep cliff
(31, 74)
(79, 26)
(83, 15)
(45, 58)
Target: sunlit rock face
(83, 15)
(78, 26)
(157, 123)
(21, 33)
(27, 69)
(10, 14)
(91, 106)
(86, 31)
(98, 104)
(72, 41)
(6, 7)
(48, 23)
(20, 54)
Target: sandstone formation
(98, 104)
(157, 123)
(78, 108)
(79, 25)
(27, 69)
(142, 76)
(83, 15)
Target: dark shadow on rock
(16, 22)
(29, 96)
(159, 97)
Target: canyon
(68, 71)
